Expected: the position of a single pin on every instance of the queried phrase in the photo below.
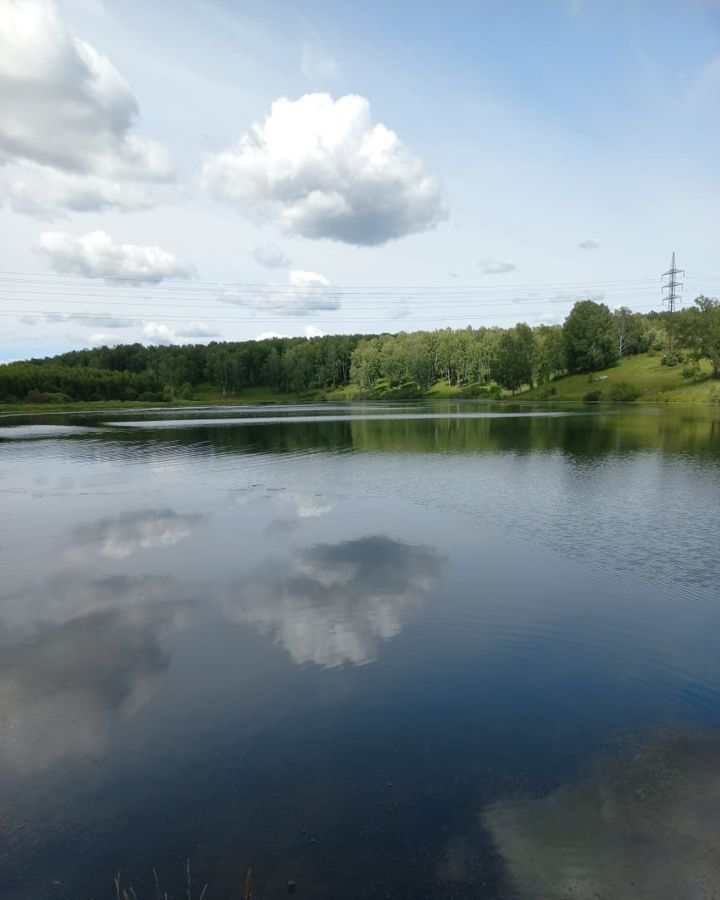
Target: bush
(592, 397)
(409, 391)
(672, 359)
(624, 392)
(37, 397)
(151, 397)
(480, 392)
(693, 372)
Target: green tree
(297, 363)
(633, 334)
(512, 366)
(699, 330)
(589, 337)
(444, 354)
(219, 366)
(273, 369)
(393, 360)
(549, 352)
(484, 349)
(419, 356)
(366, 365)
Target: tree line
(485, 359)
(155, 373)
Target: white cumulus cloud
(161, 333)
(97, 255)
(68, 111)
(269, 335)
(309, 331)
(321, 168)
(102, 339)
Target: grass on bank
(202, 396)
(653, 382)
(642, 378)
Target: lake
(422, 650)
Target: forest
(484, 361)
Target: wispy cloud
(304, 294)
(316, 65)
(575, 296)
(496, 267)
(94, 319)
(270, 256)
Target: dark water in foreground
(380, 652)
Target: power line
(362, 307)
(179, 302)
(296, 292)
(192, 284)
(56, 316)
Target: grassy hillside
(645, 372)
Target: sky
(182, 171)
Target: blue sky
(521, 132)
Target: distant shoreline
(11, 410)
(644, 374)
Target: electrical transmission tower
(672, 288)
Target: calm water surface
(413, 651)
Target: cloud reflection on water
(647, 827)
(121, 536)
(92, 658)
(334, 604)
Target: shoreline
(24, 409)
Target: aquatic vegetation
(129, 893)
